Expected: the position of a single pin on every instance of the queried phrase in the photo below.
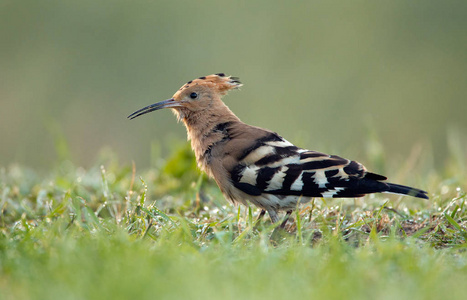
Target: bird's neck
(206, 128)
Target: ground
(112, 231)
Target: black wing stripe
(323, 164)
(312, 154)
(278, 154)
(287, 151)
(309, 185)
(264, 176)
(331, 173)
(354, 168)
(291, 175)
(268, 160)
(248, 188)
(272, 137)
(236, 173)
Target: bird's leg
(287, 215)
(260, 216)
(273, 215)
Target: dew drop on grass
(444, 189)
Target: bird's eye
(193, 95)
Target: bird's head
(196, 95)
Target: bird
(252, 165)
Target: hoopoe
(252, 164)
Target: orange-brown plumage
(219, 83)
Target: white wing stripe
(277, 179)
(283, 143)
(297, 185)
(258, 153)
(284, 161)
(249, 175)
(320, 178)
(310, 159)
(331, 193)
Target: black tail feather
(406, 190)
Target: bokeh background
(327, 75)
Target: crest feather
(219, 82)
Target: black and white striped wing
(275, 166)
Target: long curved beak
(169, 103)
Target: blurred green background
(324, 74)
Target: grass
(111, 231)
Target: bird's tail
(406, 190)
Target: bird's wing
(275, 166)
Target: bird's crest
(219, 82)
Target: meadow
(378, 82)
(112, 231)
